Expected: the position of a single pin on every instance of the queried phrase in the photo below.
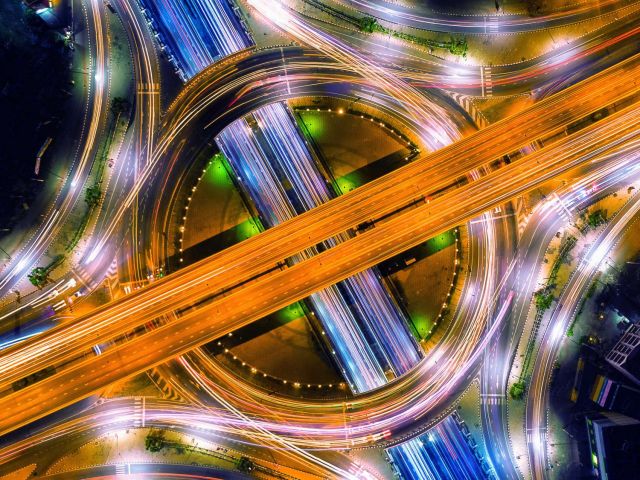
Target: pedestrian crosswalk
(487, 82)
(562, 207)
(148, 88)
(123, 469)
(493, 399)
(84, 276)
(536, 436)
(565, 208)
(139, 409)
(491, 24)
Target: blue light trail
(443, 453)
(196, 32)
(365, 327)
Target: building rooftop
(614, 440)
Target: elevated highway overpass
(246, 277)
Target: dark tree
(34, 84)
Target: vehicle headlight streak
(514, 23)
(552, 337)
(373, 335)
(116, 415)
(198, 32)
(442, 453)
(285, 419)
(436, 121)
(182, 122)
(423, 405)
(284, 18)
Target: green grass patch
(423, 325)
(248, 229)
(218, 172)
